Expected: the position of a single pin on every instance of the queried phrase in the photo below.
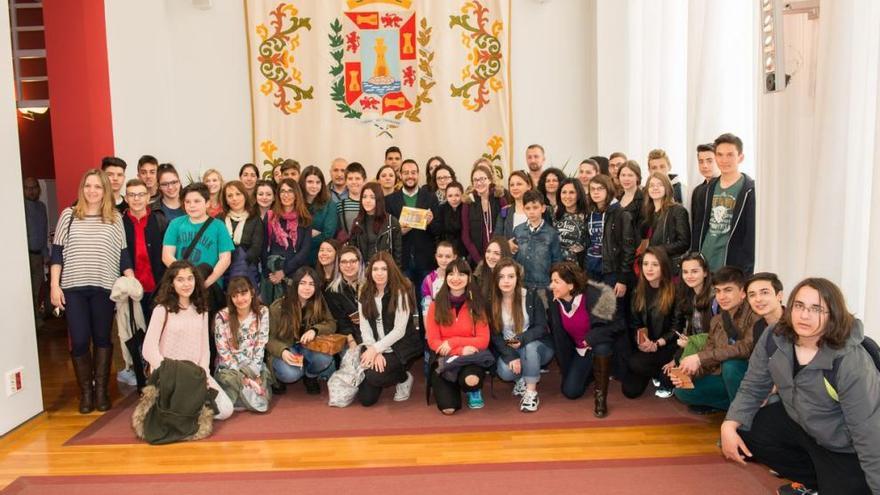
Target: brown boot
(82, 367)
(601, 369)
(103, 358)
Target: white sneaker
(402, 390)
(127, 377)
(656, 382)
(519, 388)
(663, 393)
(529, 401)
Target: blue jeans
(532, 357)
(314, 364)
(580, 372)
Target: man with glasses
(169, 188)
(418, 245)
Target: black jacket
(658, 324)
(605, 323)
(473, 232)
(447, 227)
(740, 250)
(154, 233)
(389, 239)
(619, 245)
(698, 200)
(342, 304)
(537, 329)
(635, 214)
(418, 245)
(672, 231)
(251, 238)
(410, 345)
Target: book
(684, 378)
(414, 218)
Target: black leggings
(643, 366)
(89, 319)
(371, 388)
(448, 394)
(780, 443)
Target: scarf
(276, 232)
(239, 228)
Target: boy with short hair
(146, 171)
(764, 293)
(394, 158)
(290, 169)
(214, 247)
(538, 245)
(114, 167)
(720, 366)
(347, 209)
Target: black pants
(580, 372)
(374, 381)
(643, 366)
(448, 394)
(89, 319)
(778, 442)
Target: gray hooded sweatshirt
(850, 426)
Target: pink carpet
(674, 476)
(297, 415)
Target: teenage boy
(538, 245)
(727, 226)
(764, 293)
(347, 210)
(535, 162)
(418, 245)
(658, 161)
(144, 233)
(290, 170)
(337, 179)
(393, 158)
(212, 250)
(146, 171)
(169, 193)
(720, 366)
(706, 165)
(115, 169)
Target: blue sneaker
(475, 399)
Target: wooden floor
(36, 448)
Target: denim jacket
(537, 251)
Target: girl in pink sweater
(179, 326)
(456, 326)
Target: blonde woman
(214, 180)
(88, 254)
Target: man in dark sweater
(706, 165)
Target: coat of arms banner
(349, 78)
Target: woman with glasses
(287, 241)
(824, 431)
(478, 213)
(430, 168)
(169, 201)
(342, 293)
(440, 180)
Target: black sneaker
(703, 410)
(279, 388)
(795, 489)
(312, 385)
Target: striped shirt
(347, 210)
(91, 250)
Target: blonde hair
(659, 154)
(213, 171)
(108, 208)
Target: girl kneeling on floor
(458, 332)
(241, 331)
(584, 327)
(294, 321)
(385, 313)
(520, 336)
(179, 326)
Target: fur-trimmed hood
(603, 302)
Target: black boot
(82, 367)
(279, 388)
(312, 385)
(601, 369)
(103, 358)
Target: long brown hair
(299, 203)
(380, 216)
(323, 196)
(294, 313)
(496, 298)
(648, 212)
(610, 192)
(838, 322)
(666, 298)
(397, 287)
(443, 313)
(167, 296)
(250, 203)
(239, 285)
(108, 207)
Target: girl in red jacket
(458, 332)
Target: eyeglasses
(169, 184)
(286, 191)
(814, 310)
(444, 177)
(136, 195)
(480, 180)
(347, 262)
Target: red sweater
(462, 332)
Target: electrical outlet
(14, 381)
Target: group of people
(607, 272)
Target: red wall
(35, 143)
(79, 90)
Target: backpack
(830, 376)
(343, 384)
